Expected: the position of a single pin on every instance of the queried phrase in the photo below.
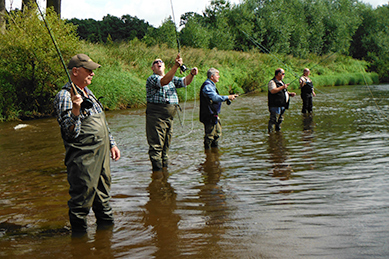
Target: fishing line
(87, 103)
(183, 68)
(193, 111)
(260, 46)
(373, 97)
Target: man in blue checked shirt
(210, 106)
(88, 143)
(162, 103)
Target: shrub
(27, 53)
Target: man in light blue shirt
(210, 105)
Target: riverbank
(126, 67)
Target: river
(317, 189)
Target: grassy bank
(31, 73)
(125, 68)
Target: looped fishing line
(193, 110)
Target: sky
(152, 11)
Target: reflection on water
(278, 156)
(160, 215)
(211, 194)
(318, 189)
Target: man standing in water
(210, 106)
(162, 104)
(88, 143)
(278, 99)
(307, 92)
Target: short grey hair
(211, 72)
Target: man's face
(215, 77)
(84, 76)
(158, 67)
(281, 75)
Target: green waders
(89, 175)
(212, 134)
(159, 131)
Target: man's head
(279, 74)
(158, 67)
(306, 72)
(81, 70)
(82, 60)
(213, 75)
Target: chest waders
(277, 104)
(89, 175)
(306, 96)
(159, 131)
(209, 111)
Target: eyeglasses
(157, 61)
(283, 74)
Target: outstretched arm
(169, 76)
(189, 78)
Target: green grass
(126, 66)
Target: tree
(2, 14)
(166, 34)
(56, 4)
(118, 29)
(26, 3)
(194, 34)
(371, 40)
(30, 69)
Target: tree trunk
(26, 3)
(2, 14)
(56, 4)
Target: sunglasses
(157, 61)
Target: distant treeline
(292, 27)
(31, 72)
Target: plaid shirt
(63, 111)
(155, 93)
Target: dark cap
(82, 60)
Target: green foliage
(288, 27)
(30, 66)
(165, 34)
(119, 29)
(126, 66)
(31, 73)
(371, 40)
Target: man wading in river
(210, 106)
(88, 143)
(162, 104)
(307, 91)
(278, 99)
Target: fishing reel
(183, 68)
(87, 103)
(228, 102)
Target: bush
(34, 72)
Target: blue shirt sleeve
(210, 91)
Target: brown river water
(318, 189)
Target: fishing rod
(267, 51)
(87, 103)
(183, 68)
(315, 65)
